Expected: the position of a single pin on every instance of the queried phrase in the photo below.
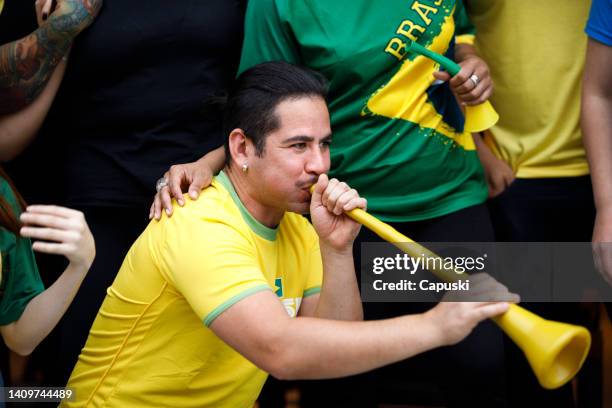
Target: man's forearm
(330, 349)
(339, 298)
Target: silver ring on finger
(161, 183)
(474, 78)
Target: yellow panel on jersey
(148, 345)
(1, 5)
(535, 51)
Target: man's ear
(239, 146)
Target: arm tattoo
(27, 64)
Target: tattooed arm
(18, 129)
(27, 64)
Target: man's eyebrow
(299, 138)
(303, 138)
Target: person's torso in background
(132, 100)
(398, 138)
(535, 50)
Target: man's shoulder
(212, 213)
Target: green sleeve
(463, 24)
(267, 34)
(20, 278)
(20, 281)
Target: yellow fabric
(1, 5)
(148, 346)
(535, 50)
(465, 39)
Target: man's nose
(318, 161)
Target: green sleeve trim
(258, 228)
(231, 301)
(312, 291)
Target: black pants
(547, 210)
(114, 230)
(469, 374)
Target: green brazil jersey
(398, 134)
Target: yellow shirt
(535, 50)
(150, 345)
(1, 5)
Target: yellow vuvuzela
(555, 350)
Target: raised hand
(60, 231)
(330, 199)
(473, 84)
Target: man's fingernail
(168, 211)
(181, 202)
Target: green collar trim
(256, 226)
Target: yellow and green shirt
(151, 345)
(535, 51)
(398, 134)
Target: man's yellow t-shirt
(151, 346)
(535, 50)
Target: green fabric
(312, 291)
(464, 25)
(256, 226)
(20, 278)
(407, 171)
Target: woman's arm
(61, 231)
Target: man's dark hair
(258, 91)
